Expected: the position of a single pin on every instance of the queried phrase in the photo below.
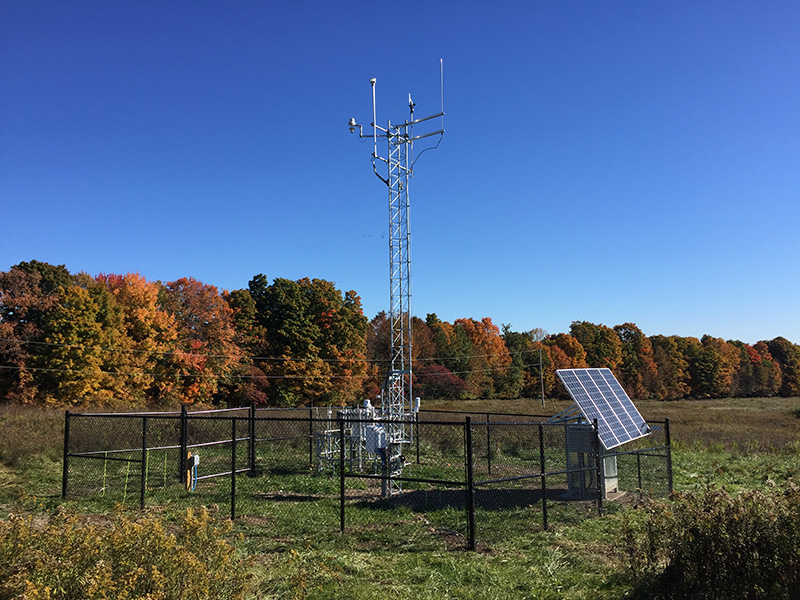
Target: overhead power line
(254, 358)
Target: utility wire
(255, 358)
(96, 372)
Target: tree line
(75, 339)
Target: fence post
(599, 468)
(182, 443)
(416, 432)
(488, 445)
(341, 474)
(669, 454)
(310, 436)
(144, 463)
(233, 468)
(251, 444)
(544, 477)
(470, 486)
(65, 464)
(639, 471)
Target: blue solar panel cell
(599, 396)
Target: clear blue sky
(603, 161)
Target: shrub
(719, 545)
(68, 557)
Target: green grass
(298, 552)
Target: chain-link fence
(308, 473)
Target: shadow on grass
(487, 499)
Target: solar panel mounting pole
(397, 400)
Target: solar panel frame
(598, 395)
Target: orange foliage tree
(205, 354)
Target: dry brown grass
(30, 431)
(740, 424)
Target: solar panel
(599, 396)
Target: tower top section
(401, 133)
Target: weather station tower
(398, 405)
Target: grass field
(737, 443)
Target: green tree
(453, 349)
(787, 355)
(249, 383)
(524, 349)
(51, 277)
(638, 370)
(767, 377)
(249, 334)
(315, 341)
(601, 344)
(713, 367)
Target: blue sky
(603, 161)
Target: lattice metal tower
(397, 401)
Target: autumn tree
(488, 374)
(377, 352)
(571, 349)
(26, 299)
(342, 341)
(453, 347)
(436, 381)
(565, 352)
(672, 368)
(638, 371)
(150, 333)
(206, 353)
(757, 374)
(81, 360)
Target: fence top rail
(127, 415)
(217, 410)
(641, 451)
(163, 413)
(294, 408)
(482, 412)
(215, 415)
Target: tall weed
(718, 545)
(68, 557)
